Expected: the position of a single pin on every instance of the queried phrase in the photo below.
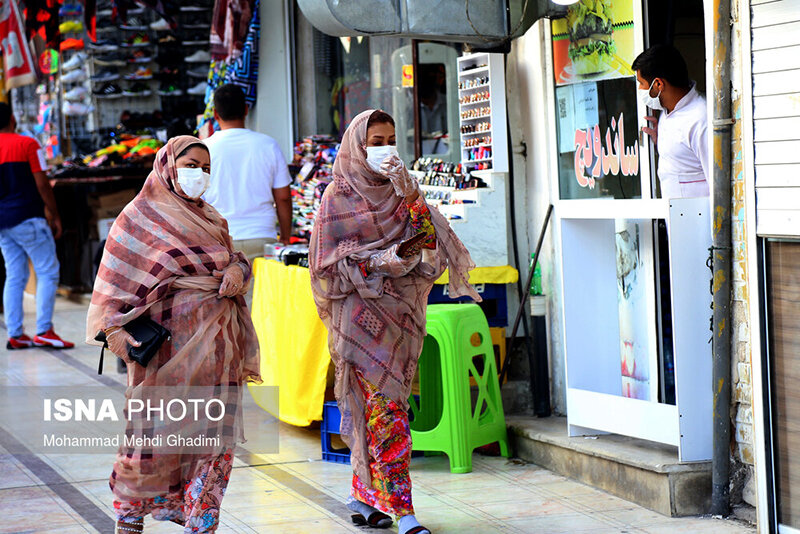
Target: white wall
(529, 90)
(274, 114)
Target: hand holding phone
(411, 247)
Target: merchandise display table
(294, 342)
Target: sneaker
(19, 342)
(201, 56)
(170, 89)
(76, 94)
(52, 340)
(74, 62)
(133, 23)
(107, 75)
(137, 40)
(168, 72)
(108, 90)
(199, 89)
(168, 39)
(70, 10)
(71, 44)
(70, 26)
(140, 56)
(103, 46)
(141, 73)
(161, 25)
(74, 76)
(137, 89)
(198, 73)
(75, 109)
(109, 60)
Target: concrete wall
(743, 484)
(529, 88)
(274, 111)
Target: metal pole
(721, 259)
(415, 90)
(521, 308)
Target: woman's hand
(388, 263)
(119, 340)
(404, 184)
(232, 281)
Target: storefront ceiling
(439, 20)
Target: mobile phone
(411, 246)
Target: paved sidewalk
(293, 490)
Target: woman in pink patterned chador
(373, 303)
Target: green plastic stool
(445, 418)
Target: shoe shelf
(483, 71)
(143, 84)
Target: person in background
(680, 131)
(373, 303)
(29, 222)
(250, 178)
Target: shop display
(482, 110)
(438, 173)
(133, 152)
(312, 170)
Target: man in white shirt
(249, 177)
(680, 132)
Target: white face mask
(194, 182)
(652, 102)
(376, 155)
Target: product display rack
(481, 96)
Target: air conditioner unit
(478, 22)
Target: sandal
(375, 520)
(129, 527)
(417, 530)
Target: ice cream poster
(595, 41)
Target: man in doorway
(680, 131)
(29, 222)
(249, 177)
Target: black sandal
(417, 530)
(375, 520)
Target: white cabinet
(482, 112)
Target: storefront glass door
(782, 259)
(608, 215)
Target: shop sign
(408, 75)
(595, 41)
(597, 156)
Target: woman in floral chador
(169, 257)
(372, 297)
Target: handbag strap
(102, 353)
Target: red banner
(18, 64)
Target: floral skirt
(196, 505)
(389, 442)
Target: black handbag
(149, 333)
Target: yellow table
(294, 342)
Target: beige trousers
(253, 248)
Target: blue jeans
(29, 239)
